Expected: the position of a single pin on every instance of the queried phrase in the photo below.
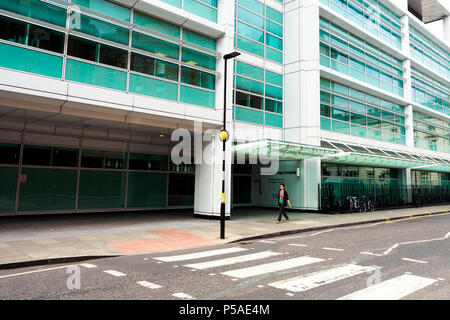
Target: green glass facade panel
(146, 189)
(250, 46)
(181, 189)
(196, 58)
(101, 189)
(274, 92)
(248, 115)
(103, 30)
(274, 28)
(274, 78)
(106, 7)
(274, 15)
(253, 5)
(157, 25)
(273, 120)
(249, 71)
(249, 17)
(156, 46)
(197, 96)
(198, 78)
(273, 106)
(199, 39)
(358, 131)
(325, 124)
(153, 88)
(341, 127)
(36, 9)
(200, 10)
(274, 55)
(47, 189)
(95, 75)
(27, 60)
(8, 185)
(175, 3)
(249, 85)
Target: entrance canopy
(334, 152)
(372, 156)
(281, 150)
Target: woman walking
(283, 199)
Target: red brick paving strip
(171, 239)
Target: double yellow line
(388, 220)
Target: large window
(350, 55)
(429, 92)
(349, 111)
(259, 30)
(371, 15)
(429, 53)
(150, 53)
(431, 133)
(258, 89)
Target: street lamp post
(224, 137)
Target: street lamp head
(231, 55)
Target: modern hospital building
(351, 96)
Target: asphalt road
(405, 259)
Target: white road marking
(182, 295)
(413, 260)
(267, 241)
(271, 267)
(320, 232)
(233, 260)
(115, 273)
(149, 285)
(391, 248)
(298, 245)
(375, 224)
(88, 265)
(35, 271)
(392, 289)
(320, 278)
(332, 249)
(202, 254)
(290, 294)
(371, 254)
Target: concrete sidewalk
(33, 240)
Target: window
(197, 78)
(140, 161)
(248, 100)
(97, 52)
(9, 153)
(32, 35)
(154, 67)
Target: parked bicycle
(360, 205)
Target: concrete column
(302, 73)
(406, 181)
(446, 23)
(405, 35)
(208, 180)
(208, 174)
(302, 92)
(409, 126)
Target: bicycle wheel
(370, 206)
(363, 207)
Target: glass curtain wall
(382, 185)
(258, 95)
(53, 178)
(429, 92)
(345, 53)
(259, 30)
(114, 47)
(371, 15)
(431, 133)
(349, 111)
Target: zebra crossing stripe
(183, 296)
(271, 267)
(233, 260)
(202, 254)
(149, 285)
(316, 279)
(115, 273)
(392, 289)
